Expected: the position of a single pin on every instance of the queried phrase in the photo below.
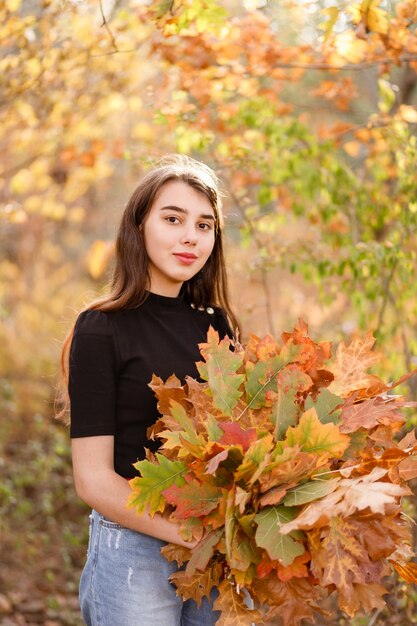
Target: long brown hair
(130, 280)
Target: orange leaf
(407, 571)
(199, 584)
(297, 569)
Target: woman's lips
(185, 257)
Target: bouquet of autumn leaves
(284, 466)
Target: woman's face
(179, 233)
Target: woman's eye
(205, 226)
(172, 219)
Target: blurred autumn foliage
(307, 110)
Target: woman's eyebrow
(172, 207)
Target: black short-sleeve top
(112, 358)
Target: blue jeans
(125, 582)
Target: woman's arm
(98, 485)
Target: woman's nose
(189, 237)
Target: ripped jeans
(125, 582)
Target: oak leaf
(311, 490)
(193, 499)
(147, 490)
(362, 597)
(325, 404)
(407, 468)
(292, 601)
(351, 495)
(313, 436)
(203, 552)
(255, 460)
(351, 364)
(370, 413)
(220, 371)
(171, 389)
(199, 584)
(297, 569)
(339, 556)
(235, 435)
(407, 571)
(234, 607)
(174, 552)
(292, 383)
(284, 548)
(261, 378)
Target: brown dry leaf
(292, 601)
(173, 552)
(407, 469)
(362, 597)
(336, 559)
(370, 413)
(351, 364)
(409, 441)
(298, 466)
(166, 391)
(234, 611)
(198, 584)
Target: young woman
(169, 286)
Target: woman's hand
(98, 485)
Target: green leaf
(309, 491)
(268, 534)
(291, 382)
(325, 404)
(254, 460)
(180, 416)
(262, 377)
(219, 371)
(213, 429)
(203, 551)
(154, 479)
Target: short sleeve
(92, 376)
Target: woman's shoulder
(93, 322)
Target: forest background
(307, 110)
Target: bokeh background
(307, 111)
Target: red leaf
(194, 499)
(234, 435)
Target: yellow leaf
(376, 19)
(13, 5)
(98, 257)
(332, 13)
(353, 148)
(408, 113)
(313, 436)
(350, 47)
(22, 182)
(33, 67)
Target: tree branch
(107, 27)
(353, 67)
